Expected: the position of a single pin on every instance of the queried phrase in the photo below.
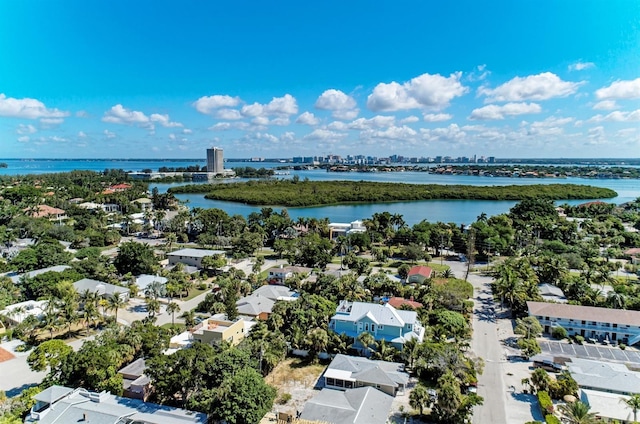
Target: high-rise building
(215, 161)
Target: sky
(168, 79)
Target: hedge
(546, 405)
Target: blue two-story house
(384, 322)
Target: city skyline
(166, 80)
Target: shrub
(579, 340)
(551, 419)
(546, 405)
(284, 398)
(559, 333)
(622, 346)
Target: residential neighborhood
(209, 317)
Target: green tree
(366, 340)
(318, 341)
(578, 413)
(114, 303)
(50, 354)
(172, 308)
(449, 399)
(136, 258)
(528, 327)
(633, 402)
(243, 398)
(419, 398)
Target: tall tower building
(215, 162)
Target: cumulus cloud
(377, 121)
(618, 116)
(283, 106)
(491, 112)
(338, 125)
(409, 120)
(187, 131)
(26, 129)
(424, 91)
(606, 105)
(543, 86)
(27, 108)
(324, 135)
(452, 133)
(82, 134)
(51, 121)
(24, 139)
(620, 90)
(341, 105)
(109, 134)
(224, 126)
(228, 114)
(118, 114)
(436, 117)
(207, 104)
(307, 118)
(391, 133)
(581, 66)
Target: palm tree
(172, 308)
(385, 352)
(318, 339)
(419, 398)
(634, 403)
(189, 318)
(153, 307)
(115, 302)
(578, 413)
(366, 340)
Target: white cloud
(338, 125)
(172, 136)
(27, 108)
(490, 112)
(391, 133)
(307, 118)
(224, 126)
(436, 117)
(620, 90)
(424, 91)
(109, 134)
(51, 121)
(23, 139)
(409, 120)
(596, 135)
(288, 136)
(164, 120)
(207, 104)
(340, 104)
(82, 134)
(580, 66)
(606, 105)
(82, 114)
(228, 114)
(543, 86)
(26, 129)
(187, 131)
(324, 135)
(281, 121)
(452, 133)
(118, 114)
(377, 121)
(618, 116)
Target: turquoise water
(457, 211)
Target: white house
(337, 229)
(19, 311)
(191, 257)
(614, 325)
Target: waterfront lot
(590, 351)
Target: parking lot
(590, 351)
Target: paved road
(485, 344)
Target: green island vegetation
(3, 165)
(296, 193)
(582, 250)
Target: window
(593, 323)
(380, 327)
(331, 382)
(366, 327)
(373, 328)
(615, 325)
(409, 326)
(584, 322)
(348, 384)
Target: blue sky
(161, 79)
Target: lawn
(297, 378)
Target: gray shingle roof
(604, 376)
(369, 371)
(98, 287)
(58, 268)
(273, 292)
(254, 305)
(364, 405)
(584, 313)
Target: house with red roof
(419, 273)
(46, 211)
(399, 302)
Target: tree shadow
(533, 404)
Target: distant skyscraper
(215, 162)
